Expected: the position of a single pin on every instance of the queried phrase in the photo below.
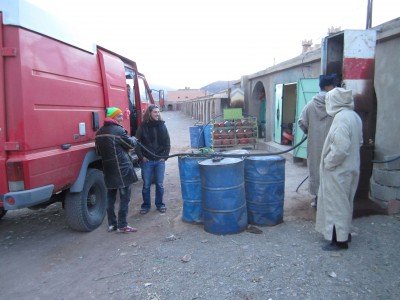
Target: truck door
(3, 157)
(114, 82)
(138, 96)
(130, 76)
(145, 98)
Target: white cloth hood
(337, 100)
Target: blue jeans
(152, 168)
(124, 198)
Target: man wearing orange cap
(113, 145)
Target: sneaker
(314, 203)
(112, 228)
(126, 229)
(162, 209)
(144, 211)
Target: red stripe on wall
(358, 68)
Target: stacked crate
(234, 132)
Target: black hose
(301, 183)
(385, 161)
(374, 161)
(211, 155)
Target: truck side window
(130, 85)
(130, 89)
(144, 96)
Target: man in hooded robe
(339, 170)
(315, 122)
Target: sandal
(162, 209)
(126, 229)
(144, 211)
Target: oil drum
(191, 188)
(223, 195)
(264, 178)
(196, 136)
(207, 136)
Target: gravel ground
(170, 259)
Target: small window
(130, 85)
(144, 96)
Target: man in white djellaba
(339, 170)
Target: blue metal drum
(189, 172)
(265, 189)
(196, 136)
(208, 136)
(222, 189)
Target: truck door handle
(65, 146)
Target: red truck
(53, 94)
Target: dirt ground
(171, 259)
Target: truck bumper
(22, 199)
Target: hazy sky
(188, 43)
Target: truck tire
(85, 211)
(2, 212)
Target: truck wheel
(85, 211)
(2, 212)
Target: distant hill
(217, 86)
(161, 87)
(211, 88)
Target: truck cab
(54, 89)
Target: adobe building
(175, 97)
(368, 64)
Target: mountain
(217, 86)
(211, 88)
(161, 87)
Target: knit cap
(111, 112)
(325, 80)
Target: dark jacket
(154, 136)
(113, 145)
